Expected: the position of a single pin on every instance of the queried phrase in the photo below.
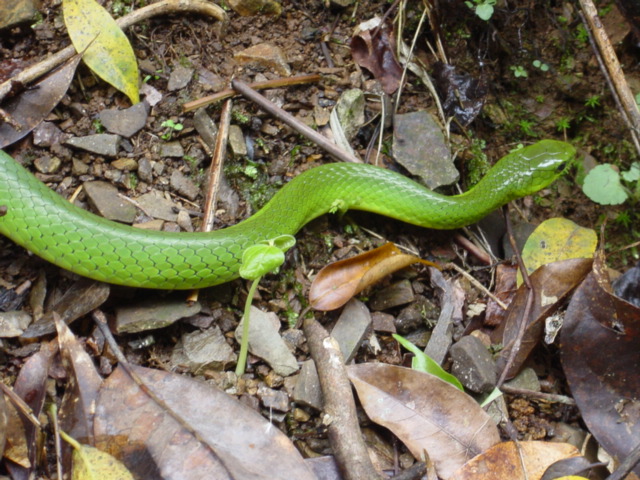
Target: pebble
(205, 127)
(145, 171)
(351, 329)
(13, 323)
(276, 399)
(202, 350)
(184, 185)
(125, 122)
(307, 390)
(473, 365)
(236, 141)
(104, 197)
(100, 144)
(126, 164)
(265, 55)
(171, 149)
(47, 164)
(179, 78)
(394, 295)
(154, 313)
(47, 134)
(156, 205)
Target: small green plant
(563, 124)
(539, 98)
(251, 171)
(97, 126)
(483, 8)
(594, 101)
(519, 71)
(171, 127)
(582, 36)
(541, 65)
(239, 117)
(527, 128)
(604, 184)
(257, 261)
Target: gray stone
(47, 164)
(392, 296)
(266, 343)
(419, 313)
(16, 12)
(274, 399)
(104, 197)
(184, 220)
(157, 205)
(265, 55)
(350, 111)
(205, 350)
(145, 171)
(352, 327)
(79, 168)
(179, 78)
(154, 313)
(383, 322)
(125, 164)
(205, 127)
(473, 365)
(236, 141)
(184, 185)
(307, 390)
(527, 379)
(47, 134)
(100, 144)
(13, 323)
(172, 150)
(126, 122)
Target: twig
(33, 72)
(229, 92)
(291, 121)
(20, 404)
(547, 397)
(339, 406)
(477, 284)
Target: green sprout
(519, 71)
(171, 127)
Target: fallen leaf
(425, 413)
(107, 51)
(373, 47)
(233, 440)
(462, 95)
(507, 459)
(601, 359)
(32, 105)
(340, 281)
(89, 463)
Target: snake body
(72, 238)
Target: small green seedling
(519, 71)
(258, 260)
(541, 65)
(604, 184)
(594, 101)
(171, 127)
(483, 8)
(424, 363)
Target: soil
(563, 96)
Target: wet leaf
(601, 359)
(373, 48)
(506, 460)
(31, 106)
(234, 441)
(552, 283)
(425, 413)
(338, 282)
(462, 95)
(108, 51)
(557, 239)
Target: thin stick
(229, 92)
(293, 122)
(547, 397)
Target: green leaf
(424, 363)
(485, 11)
(602, 185)
(107, 51)
(258, 260)
(283, 242)
(633, 174)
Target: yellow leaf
(557, 239)
(108, 51)
(92, 464)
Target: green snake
(74, 239)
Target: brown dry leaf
(31, 106)
(233, 440)
(599, 346)
(552, 283)
(340, 281)
(506, 460)
(505, 290)
(425, 413)
(374, 48)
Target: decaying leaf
(462, 95)
(601, 359)
(425, 413)
(89, 463)
(507, 459)
(31, 106)
(233, 440)
(373, 47)
(108, 51)
(552, 284)
(338, 282)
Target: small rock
(171, 149)
(255, 7)
(158, 206)
(184, 220)
(275, 399)
(155, 313)
(179, 78)
(47, 134)
(16, 12)
(294, 337)
(14, 323)
(273, 380)
(199, 351)
(152, 96)
(266, 343)
(126, 122)
(527, 379)
(351, 328)
(205, 127)
(392, 296)
(145, 171)
(210, 80)
(421, 312)
(350, 111)
(420, 337)
(47, 164)
(150, 225)
(299, 415)
(569, 434)
(79, 168)
(473, 365)
(104, 197)
(183, 185)
(125, 164)
(383, 322)
(100, 144)
(236, 141)
(307, 390)
(265, 55)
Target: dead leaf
(552, 283)
(233, 440)
(89, 463)
(601, 359)
(31, 106)
(505, 291)
(340, 281)
(462, 95)
(425, 413)
(373, 47)
(506, 460)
